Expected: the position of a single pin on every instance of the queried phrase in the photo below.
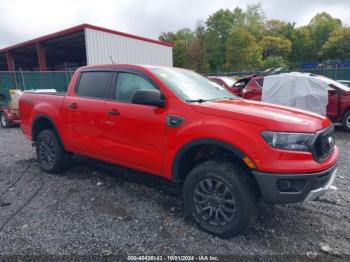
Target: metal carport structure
(83, 45)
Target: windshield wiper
(197, 100)
(229, 98)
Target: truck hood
(272, 116)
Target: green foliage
(274, 62)
(244, 40)
(242, 51)
(321, 26)
(338, 44)
(276, 46)
(254, 18)
(219, 26)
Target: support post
(41, 56)
(11, 68)
(10, 61)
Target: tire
(3, 120)
(239, 204)
(346, 121)
(52, 157)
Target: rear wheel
(3, 120)
(52, 157)
(346, 121)
(220, 198)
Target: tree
(321, 26)
(254, 17)
(219, 26)
(303, 46)
(180, 40)
(168, 37)
(276, 46)
(196, 51)
(179, 54)
(274, 27)
(274, 62)
(232, 40)
(185, 34)
(242, 51)
(338, 44)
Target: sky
(22, 20)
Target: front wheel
(220, 198)
(346, 121)
(4, 121)
(52, 157)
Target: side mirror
(148, 97)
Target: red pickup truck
(227, 152)
(338, 108)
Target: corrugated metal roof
(78, 28)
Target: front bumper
(291, 188)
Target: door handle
(73, 106)
(113, 112)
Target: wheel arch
(180, 162)
(347, 110)
(42, 122)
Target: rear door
(134, 134)
(84, 113)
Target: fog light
(284, 185)
(291, 185)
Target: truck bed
(47, 103)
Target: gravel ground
(100, 209)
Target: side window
(128, 84)
(240, 84)
(93, 84)
(260, 82)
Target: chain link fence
(28, 80)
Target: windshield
(229, 81)
(191, 86)
(334, 84)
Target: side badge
(174, 121)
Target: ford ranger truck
(228, 153)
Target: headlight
(288, 141)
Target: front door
(134, 134)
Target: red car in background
(226, 82)
(338, 108)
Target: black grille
(324, 143)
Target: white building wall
(100, 46)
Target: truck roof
(125, 65)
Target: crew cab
(228, 153)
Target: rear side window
(260, 82)
(93, 84)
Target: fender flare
(47, 118)
(202, 141)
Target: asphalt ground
(96, 210)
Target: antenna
(110, 57)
